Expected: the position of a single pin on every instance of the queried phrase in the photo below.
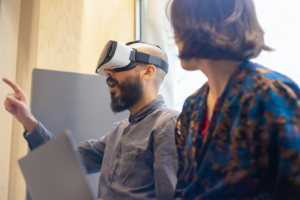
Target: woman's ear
(150, 71)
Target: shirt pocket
(136, 171)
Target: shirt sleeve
(165, 160)
(91, 151)
(38, 137)
(282, 133)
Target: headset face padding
(120, 57)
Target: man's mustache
(112, 80)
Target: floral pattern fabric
(252, 145)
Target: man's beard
(131, 91)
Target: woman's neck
(218, 73)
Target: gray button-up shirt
(137, 158)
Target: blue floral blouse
(252, 145)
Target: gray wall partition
(78, 102)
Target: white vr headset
(120, 57)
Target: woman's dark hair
(217, 29)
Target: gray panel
(60, 182)
(78, 102)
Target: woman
(238, 135)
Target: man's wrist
(31, 124)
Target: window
(279, 20)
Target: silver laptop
(54, 171)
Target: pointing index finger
(14, 86)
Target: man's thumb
(14, 101)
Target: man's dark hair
(217, 29)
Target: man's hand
(17, 105)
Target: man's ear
(149, 72)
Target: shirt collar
(147, 109)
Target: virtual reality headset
(120, 57)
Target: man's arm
(39, 136)
(36, 134)
(165, 160)
(91, 151)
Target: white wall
(279, 19)
(9, 29)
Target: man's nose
(109, 72)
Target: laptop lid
(54, 171)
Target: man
(137, 158)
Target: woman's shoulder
(262, 79)
(268, 74)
